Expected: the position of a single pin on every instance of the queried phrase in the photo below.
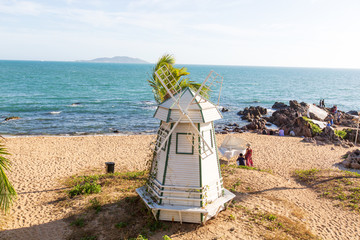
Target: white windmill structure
(185, 183)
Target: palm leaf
(178, 74)
(7, 191)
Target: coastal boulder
(352, 112)
(301, 128)
(256, 124)
(279, 105)
(252, 113)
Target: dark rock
(257, 124)
(252, 113)
(355, 165)
(313, 116)
(75, 104)
(238, 130)
(346, 163)
(352, 112)
(279, 105)
(232, 124)
(224, 109)
(12, 118)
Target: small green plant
(341, 133)
(95, 204)
(79, 222)
(166, 237)
(121, 225)
(85, 188)
(133, 175)
(270, 217)
(89, 238)
(232, 217)
(140, 237)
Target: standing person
(323, 102)
(248, 156)
(331, 120)
(241, 160)
(338, 117)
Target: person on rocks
(248, 156)
(292, 133)
(241, 160)
(331, 119)
(338, 117)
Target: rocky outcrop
(352, 160)
(252, 113)
(224, 109)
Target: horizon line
(196, 64)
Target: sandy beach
(40, 163)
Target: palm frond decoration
(179, 76)
(7, 191)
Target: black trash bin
(110, 167)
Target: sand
(39, 164)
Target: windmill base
(182, 214)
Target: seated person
(281, 132)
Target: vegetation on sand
(341, 186)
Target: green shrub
(341, 133)
(315, 129)
(85, 188)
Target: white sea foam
(55, 112)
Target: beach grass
(343, 187)
(118, 212)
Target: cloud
(21, 8)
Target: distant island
(116, 59)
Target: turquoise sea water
(113, 97)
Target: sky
(297, 33)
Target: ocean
(73, 98)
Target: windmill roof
(185, 98)
(200, 109)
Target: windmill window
(184, 143)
